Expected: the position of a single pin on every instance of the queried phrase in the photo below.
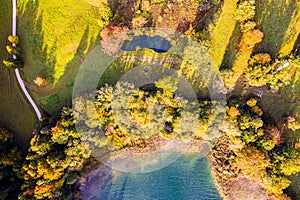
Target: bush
(260, 59)
(251, 162)
(13, 63)
(275, 184)
(12, 50)
(251, 38)
(10, 162)
(13, 39)
(245, 11)
(247, 26)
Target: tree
(251, 38)
(274, 133)
(251, 102)
(12, 50)
(267, 144)
(247, 26)
(10, 166)
(260, 59)
(275, 184)
(55, 153)
(13, 39)
(139, 21)
(233, 112)
(168, 84)
(251, 162)
(291, 163)
(292, 123)
(40, 81)
(245, 11)
(248, 122)
(105, 13)
(112, 30)
(13, 63)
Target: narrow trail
(17, 72)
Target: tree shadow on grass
(37, 61)
(232, 49)
(273, 19)
(40, 60)
(64, 89)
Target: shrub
(13, 63)
(275, 184)
(251, 102)
(13, 39)
(233, 112)
(245, 11)
(251, 38)
(251, 162)
(260, 59)
(247, 26)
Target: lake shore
(98, 179)
(230, 184)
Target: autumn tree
(260, 59)
(245, 11)
(275, 184)
(13, 63)
(13, 39)
(265, 73)
(55, 154)
(292, 123)
(251, 162)
(12, 50)
(10, 166)
(40, 81)
(251, 38)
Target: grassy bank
(222, 31)
(55, 36)
(15, 112)
(277, 20)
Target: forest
(254, 130)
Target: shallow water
(187, 178)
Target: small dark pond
(156, 43)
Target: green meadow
(279, 21)
(55, 36)
(222, 31)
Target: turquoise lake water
(189, 178)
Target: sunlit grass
(278, 20)
(291, 33)
(55, 37)
(63, 25)
(222, 31)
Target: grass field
(291, 34)
(222, 31)
(55, 35)
(16, 113)
(277, 20)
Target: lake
(188, 178)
